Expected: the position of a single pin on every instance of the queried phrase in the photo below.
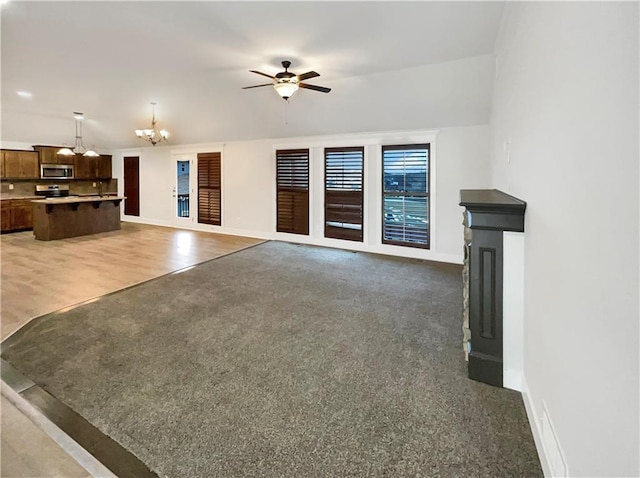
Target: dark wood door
(132, 185)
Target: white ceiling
(111, 59)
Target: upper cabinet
(16, 164)
(104, 166)
(49, 155)
(87, 167)
(19, 164)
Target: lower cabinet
(21, 214)
(17, 215)
(6, 215)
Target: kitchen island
(59, 218)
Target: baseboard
(534, 424)
(512, 379)
(314, 241)
(199, 227)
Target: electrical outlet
(10, 187)
(94, 185)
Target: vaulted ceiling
(390, 65)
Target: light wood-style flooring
(39, 277)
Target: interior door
(132, 185)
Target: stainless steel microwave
(56, 171)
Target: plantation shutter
(209, 188)
(292, 184)
(405, 208)
(343, 194)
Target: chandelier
(79, 147)
(153, 135)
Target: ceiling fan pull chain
(286, 114)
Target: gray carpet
(285, 360)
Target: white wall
(566, 94)
(16, 145)
(453, 93)
(460, 160)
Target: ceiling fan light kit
(287, 83)
(79, 145)
(153, 135)
(286, 89)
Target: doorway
(132, 185)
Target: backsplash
(22, 188)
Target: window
(292, 184)
(405, 201)
(209, 189)
(343, 193)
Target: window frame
(212, 186)
(426, 194)
(358, 237)
(297, 193)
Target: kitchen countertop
(8, 196)
(107, 193)
(77, 199)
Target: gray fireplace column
(489, 213)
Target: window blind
(405, 208)
(209, 188)
(292, 184)
(343, 195)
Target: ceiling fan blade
(314, 87)
(257, 86)
(263, 74)
(307, 75)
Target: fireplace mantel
(488, 215)
(492, 210)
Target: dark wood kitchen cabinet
(5, 207)
(21, 214)
(17, 214)
(20, 164)
(104, 166)
(87, 167)
(49, 155)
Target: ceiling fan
(287, 83)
